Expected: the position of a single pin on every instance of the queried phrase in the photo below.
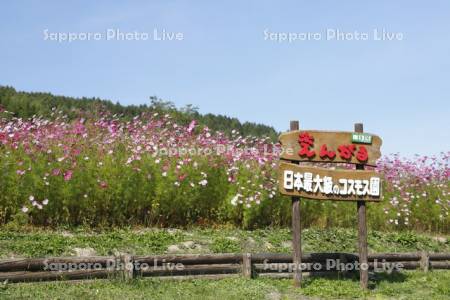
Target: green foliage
(225, 245)
(36, 243)
(26, 105)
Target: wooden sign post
(362, 230)
(296, 230)
(314, 182)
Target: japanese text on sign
(330, 146)
(329, 184)
(346, 152)
(316, 184)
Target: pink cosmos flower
(68, 175)
(103, 185)
(191, 126)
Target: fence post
(127, 262)
(424, 261)
(247, 270)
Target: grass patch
(35, 242)
(406, 285)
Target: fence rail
(211, 266)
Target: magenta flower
(191, 126)
(103, 185)
(68, 175)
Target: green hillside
(27, 104)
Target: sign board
(361, 138)
(328, 184)
(330, 146)
(313, 182)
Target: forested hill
(26, 104)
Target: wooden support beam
(296, 230)
(362, 230)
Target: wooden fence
(213, 266)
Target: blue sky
(399, 89)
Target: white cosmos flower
(45, 202)
(234, 200)
(24, 209)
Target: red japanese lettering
(346, 151)
(362, 154)
(306, 141)
(324, 153)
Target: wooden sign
(328, 184)
(306, 181)
(330, 146)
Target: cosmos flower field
(149, 170)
